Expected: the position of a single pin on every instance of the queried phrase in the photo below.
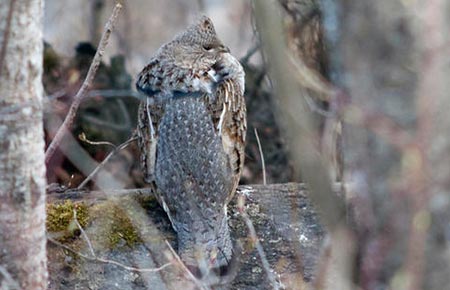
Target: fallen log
(285, 223)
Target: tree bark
(23, 262)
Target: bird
(191, 134)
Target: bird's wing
(228, 113)
(163, 76)
(149, 80)
(150, 114)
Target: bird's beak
(224, 49)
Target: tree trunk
(23, 262)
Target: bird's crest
(200, 32)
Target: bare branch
(86, 84)
(111, 154)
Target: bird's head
(203, 35)
(198, 41)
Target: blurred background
(144, 25)
(355, 91)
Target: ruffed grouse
(191, 133)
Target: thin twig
(255, 240)
(86, 84)
(106, 261)
(6, 34)
(191, 276)
(83, 233)
(111, 154)
(263, 163)
(83, 138)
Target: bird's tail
(208, 249)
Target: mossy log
(285, 221)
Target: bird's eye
(207, 24)
(207, 47)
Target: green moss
(148, 202)
(60, 218)
(109, 224)
(114, 227)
